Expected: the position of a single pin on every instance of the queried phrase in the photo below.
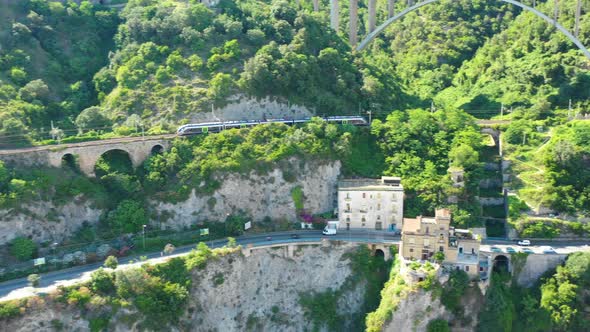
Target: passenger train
(215, 127)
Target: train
(215, 127)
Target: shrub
(34, 280)
(454, 290)
(111, 262)
(438, 325)
(22, 248)
(102, 281)
(9, 310)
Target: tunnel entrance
(501, 264)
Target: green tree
(22, 248)
(220, 86)
(128, 217)
(102, 281)
(111, 262)
(91, 119)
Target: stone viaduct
(86, 154)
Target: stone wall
(258, 196)
(536, 265)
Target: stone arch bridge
(86, 154)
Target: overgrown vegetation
(555, 303)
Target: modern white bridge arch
(363, 44)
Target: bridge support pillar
(390, 8)
(291, 250)
(352, 35)
(334, 15)
(372, 15)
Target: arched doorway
(113, 161)
(501, 264)
(157, 149)
(68, 161)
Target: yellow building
(422, 237)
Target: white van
(331, 228)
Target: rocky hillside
(267, 289)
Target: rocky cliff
(44, 221)
(259, 292)
(260, 196)
(256, 195)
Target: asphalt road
(52, 279)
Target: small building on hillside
(371, 203)
(423, 237)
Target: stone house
(423, 237)
(371, 203)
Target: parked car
(496, 249)
(510, 250)
(294, 236)
(527, 251)
(548, 250)
(524, 243)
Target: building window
(364, 195)
(427, 229)
(480, 269)
(460, 250)
(378, 217)
(347, 219)
(411, 249)
(441, 248)
(347, 195)
(378, 226)
(466, 268)
(379, 195)
(378, 206)
(348, 225)
(347, 206)
(473, 251)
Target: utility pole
(569, 109)
(369, 112)
(143, 231)
(431, 106)
(501, 111)
(524, 138)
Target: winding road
(19, 288)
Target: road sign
(39, 261)
(204, 231)
(248, 225)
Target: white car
(524, 243)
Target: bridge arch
(501, 263)
(157, 149)
(69, 160)
(363, 44)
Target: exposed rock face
(415, 311)
(259, 195)
(264, 289)
(235, 293)
(241, 107)
(43, 221)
